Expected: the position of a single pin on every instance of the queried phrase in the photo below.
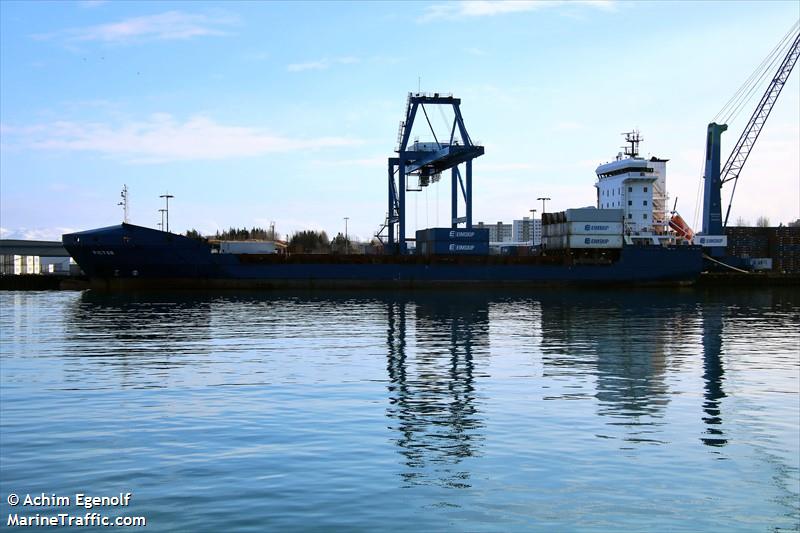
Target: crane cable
(733, 107)
(758, 83)
(699, 194)
(735, 103)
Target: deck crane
(715, 178)
(426, 161)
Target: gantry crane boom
(716, 177)
(738, 157)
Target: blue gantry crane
(425, 162)
(715, 177)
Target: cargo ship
(127, 256)
(623, 240)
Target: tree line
(238, 234)
(307, 241)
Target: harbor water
(548, 410)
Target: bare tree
(762, 222)
(741, 222)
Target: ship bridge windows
(626, 170)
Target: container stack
(748, 242)
(449, 241)
(766, 248)
(582, 228)
(785, 247)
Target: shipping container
(247, 247)
(582, 241)
(591, 214)
(583, 228)
(453, 234)
(452, 248)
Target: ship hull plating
(131, 257)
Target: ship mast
(632, 138)
(124, 203)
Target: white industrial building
(518, 232)
(35, 257)
(528, 230)
(499, 232)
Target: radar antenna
(633, 139)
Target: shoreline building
(19, 257)
(528, 230)
(520, 232)
(498, 232)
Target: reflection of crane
(426, 161)
(716, 178)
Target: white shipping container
(582, 241)
(549, 241)
(594, 241)
(247, 247)
(585, 228)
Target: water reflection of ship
(626, 342)
(613, 338)
(432, 393)
(139, 338)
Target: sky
(259, 112)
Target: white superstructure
(638, 187)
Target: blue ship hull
(128, 256)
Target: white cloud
(162, 138)
(170, 25)
(311, 65)
(35, 234)
(483, 8)
(322, 64)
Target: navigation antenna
(632, 138)
(124, 203)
